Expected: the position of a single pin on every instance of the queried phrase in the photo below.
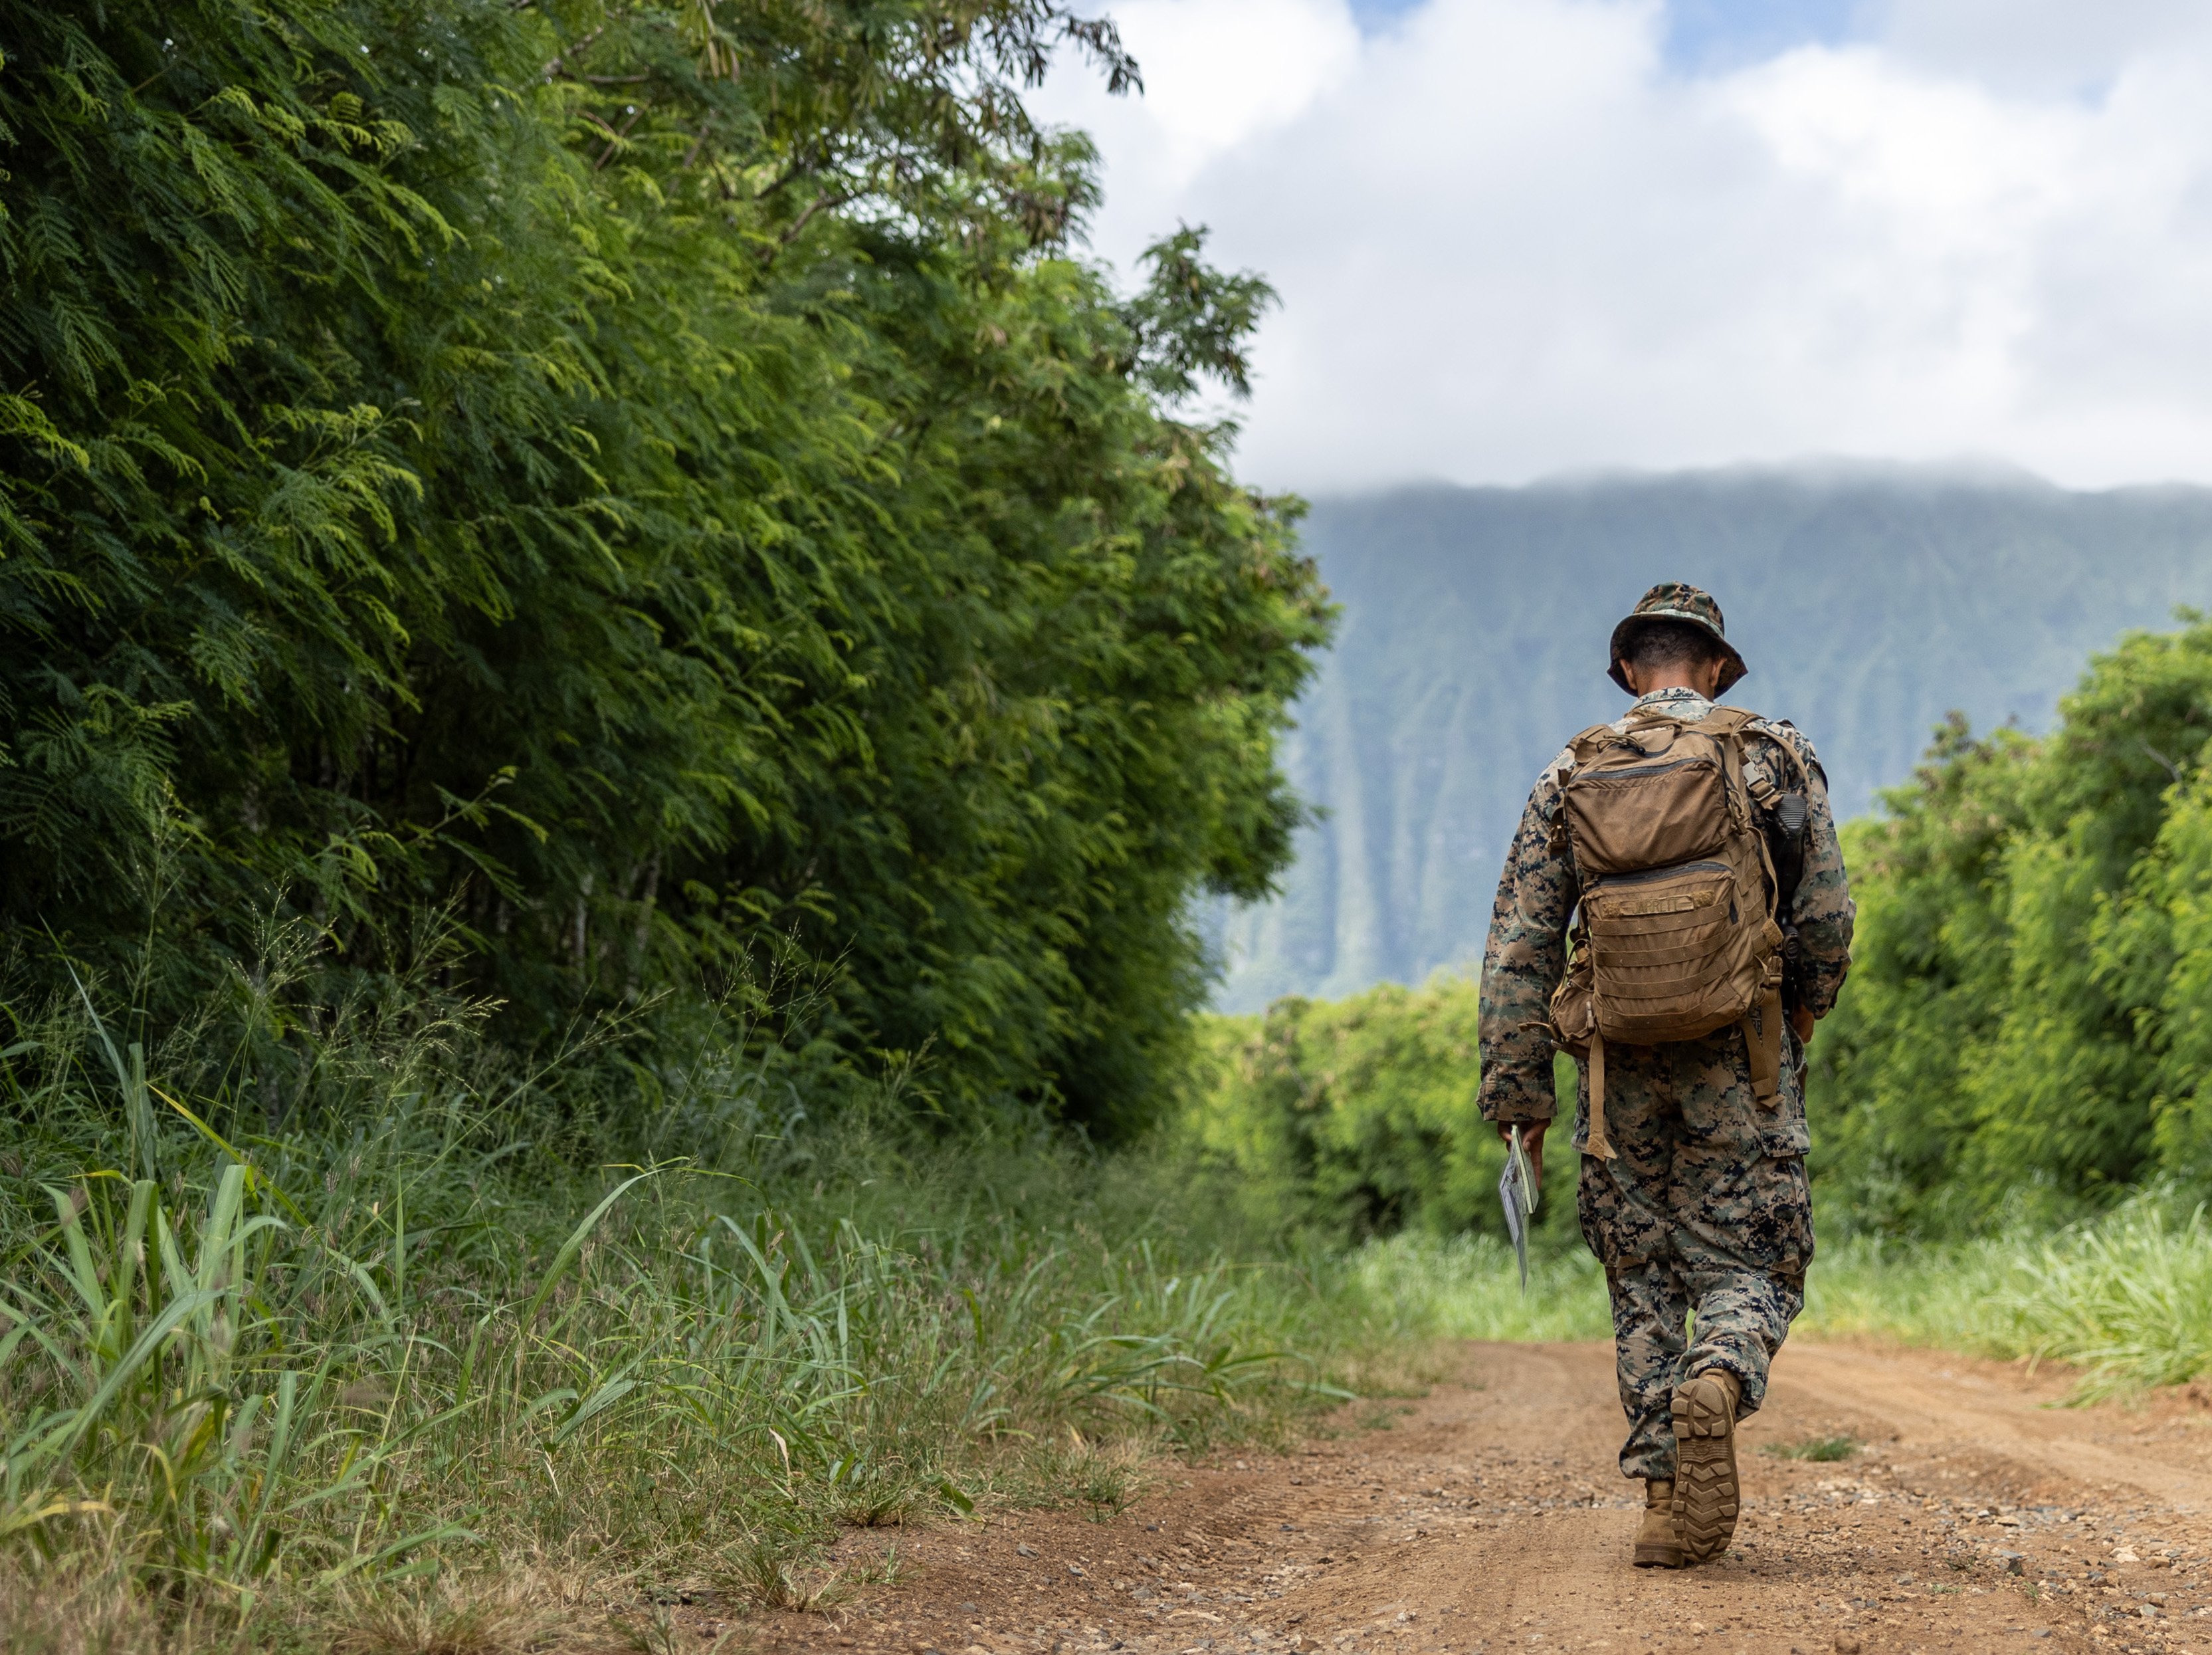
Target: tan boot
(1657, 1545)
(1707, 1493)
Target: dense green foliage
(2024, 1033)
(1358, 1117)
(648, 481)
(272, 1381)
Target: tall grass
(441, 1325)
(1469, 1288)
(2127, 1297)
(305, 1319)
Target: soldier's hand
(1532, 1145)
(1801, 1021)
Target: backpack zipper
(1661, 874)
(1650, 770)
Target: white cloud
(1218, 75)
(2037, 45)
(1512, 241)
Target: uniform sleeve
(1823, 911)
(1522, 963)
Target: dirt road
(1975, 1516)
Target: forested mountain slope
(1868, 601)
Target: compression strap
(1762, 1045)
(1599, 1144)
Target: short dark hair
(1661, 643)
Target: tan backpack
(1676, 935)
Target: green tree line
(598, 500)
(2027, 1030)
(2025, 1038)
(1356, 1118)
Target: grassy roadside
(386, 1391)
(442, 1358)
(463, 1356)
(2126, 1297)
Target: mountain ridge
(1869, 598)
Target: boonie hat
(1676, 600)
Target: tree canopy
(2024, 1033)
(656, 485)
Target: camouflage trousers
(1703, 1223)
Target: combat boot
(1706, 1491)
(1657, 1545)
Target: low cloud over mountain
(1868, 601)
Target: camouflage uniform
(1706, 1205)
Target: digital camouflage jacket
(1527, 952)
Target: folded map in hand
(1517, 1190)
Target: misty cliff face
(1868, 602)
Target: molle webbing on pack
(1677, 936)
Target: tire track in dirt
(1491, 1517)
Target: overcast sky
(1514, 238)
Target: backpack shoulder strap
(1723, 722)
(1791, 744)
(1587, 744)
(1729, 726)
(1725, 726)
(1579, 752)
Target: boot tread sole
(1707, 1491)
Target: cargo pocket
(1621, 1227)
(1777, 1128)
(1782, 1125)
(1780, 1232)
